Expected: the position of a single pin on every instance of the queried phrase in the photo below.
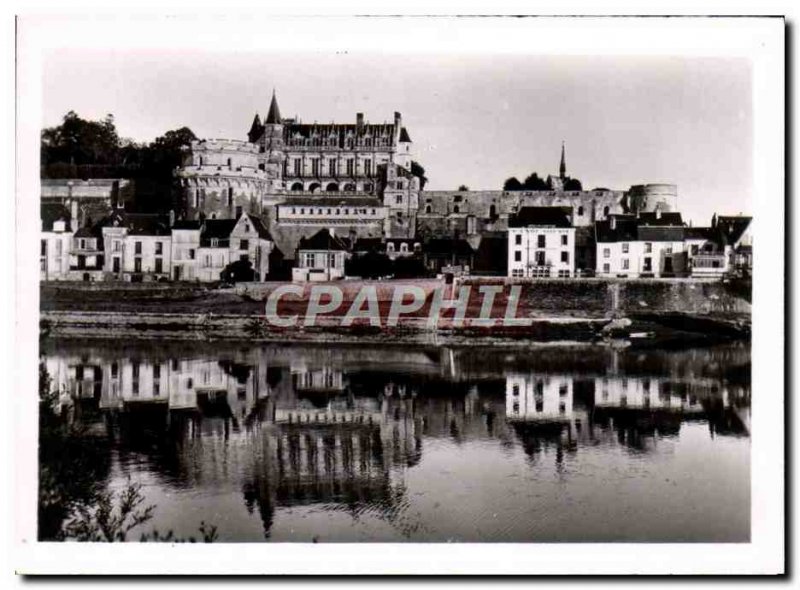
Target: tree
(534, 183)
(512, 184)
(79, 142)
(463, 187)
(238, 271)
(573, 184)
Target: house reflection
(340, 427)
(562, 411)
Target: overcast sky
(474, 120)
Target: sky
(474, 119)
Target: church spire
(274, 115)
(562, 169)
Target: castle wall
(467, 212)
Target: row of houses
(147, 247)
(543, 242)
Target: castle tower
(272, 139)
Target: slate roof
(89, 232)
(138, 224)
(274, 114)
(631, 229)
(666, 219)
(323, 240)
(261, 230)
(146, 224)
(699, 233)
(541, 216)
(52, 212)
(187, 224)
(404, 137)
(733, 227)
(219, 229)
(368, 245)
(660, 234)
(624, 231)
(448, 246)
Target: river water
(346, 443)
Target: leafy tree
(371, 265)
(78, 148)
(407, 267)
(534, 183)
(512, 184)
(573, 184)
(238, 271)
(463, 187)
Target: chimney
(613, 222)
(171, 217)
(73, 216)
(398, 123)
(359, 121)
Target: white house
(223, 241)
(539, 397)
(651, 245)
(321, 257)
(185, 245)
(541, 243)
(138, 246)
(55, 240)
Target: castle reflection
(290, 426)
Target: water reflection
(347, 428)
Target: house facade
(55, 242)
(223, 241)
(321, 257)
(138, 247)
(635, 247)
(541, 243)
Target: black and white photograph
(500, 291)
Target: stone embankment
(586, 310)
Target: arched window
(493, 212)
(200, 160)
(332, 187)
(456, 209)
(350, 187)
(390, 247)
(314, 187)
(368, 187)
(427, 208)
(230, 196)
(230, 163)
(297, 186)
(580, 211)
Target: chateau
(358, 179)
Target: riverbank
(646, 313)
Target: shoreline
(641, 330)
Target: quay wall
(541, 298)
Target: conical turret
(274, 115)
(256, 129)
